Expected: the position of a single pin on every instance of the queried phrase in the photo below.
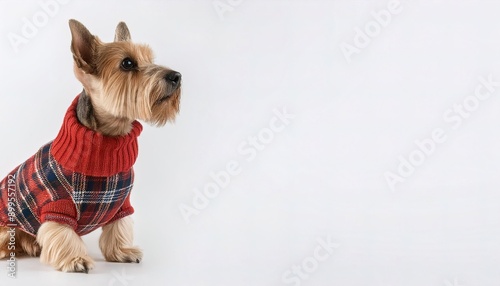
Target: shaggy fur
(121, 84)
(146, 91)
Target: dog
(81, 181)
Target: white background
(322, 176)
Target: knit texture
(82, 179)
(85, 151)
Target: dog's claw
(82, 269)
(126, 254)
(85, 268)
(137, 260)
(79, 265)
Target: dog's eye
(128, 64)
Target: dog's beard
(150, 99)
(165, 108)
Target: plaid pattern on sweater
(41, 189)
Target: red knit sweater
(82, 179)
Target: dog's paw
(81, 264)
(125, 254)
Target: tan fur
(24, 244)
(120, 97)
(62, 248)
(116, 242)
(116, 97)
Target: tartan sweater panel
(45, 191)
(42, 189)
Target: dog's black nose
(174, 78)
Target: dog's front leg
(116, 242)
(62, 248)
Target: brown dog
(82, 180)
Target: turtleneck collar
(82, 150)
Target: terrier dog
(82, 179)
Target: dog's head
(121, 78)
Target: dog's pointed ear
(83, 46)
(122, 33)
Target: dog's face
(121, 78)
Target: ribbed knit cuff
(61, 211)
(125, 210)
